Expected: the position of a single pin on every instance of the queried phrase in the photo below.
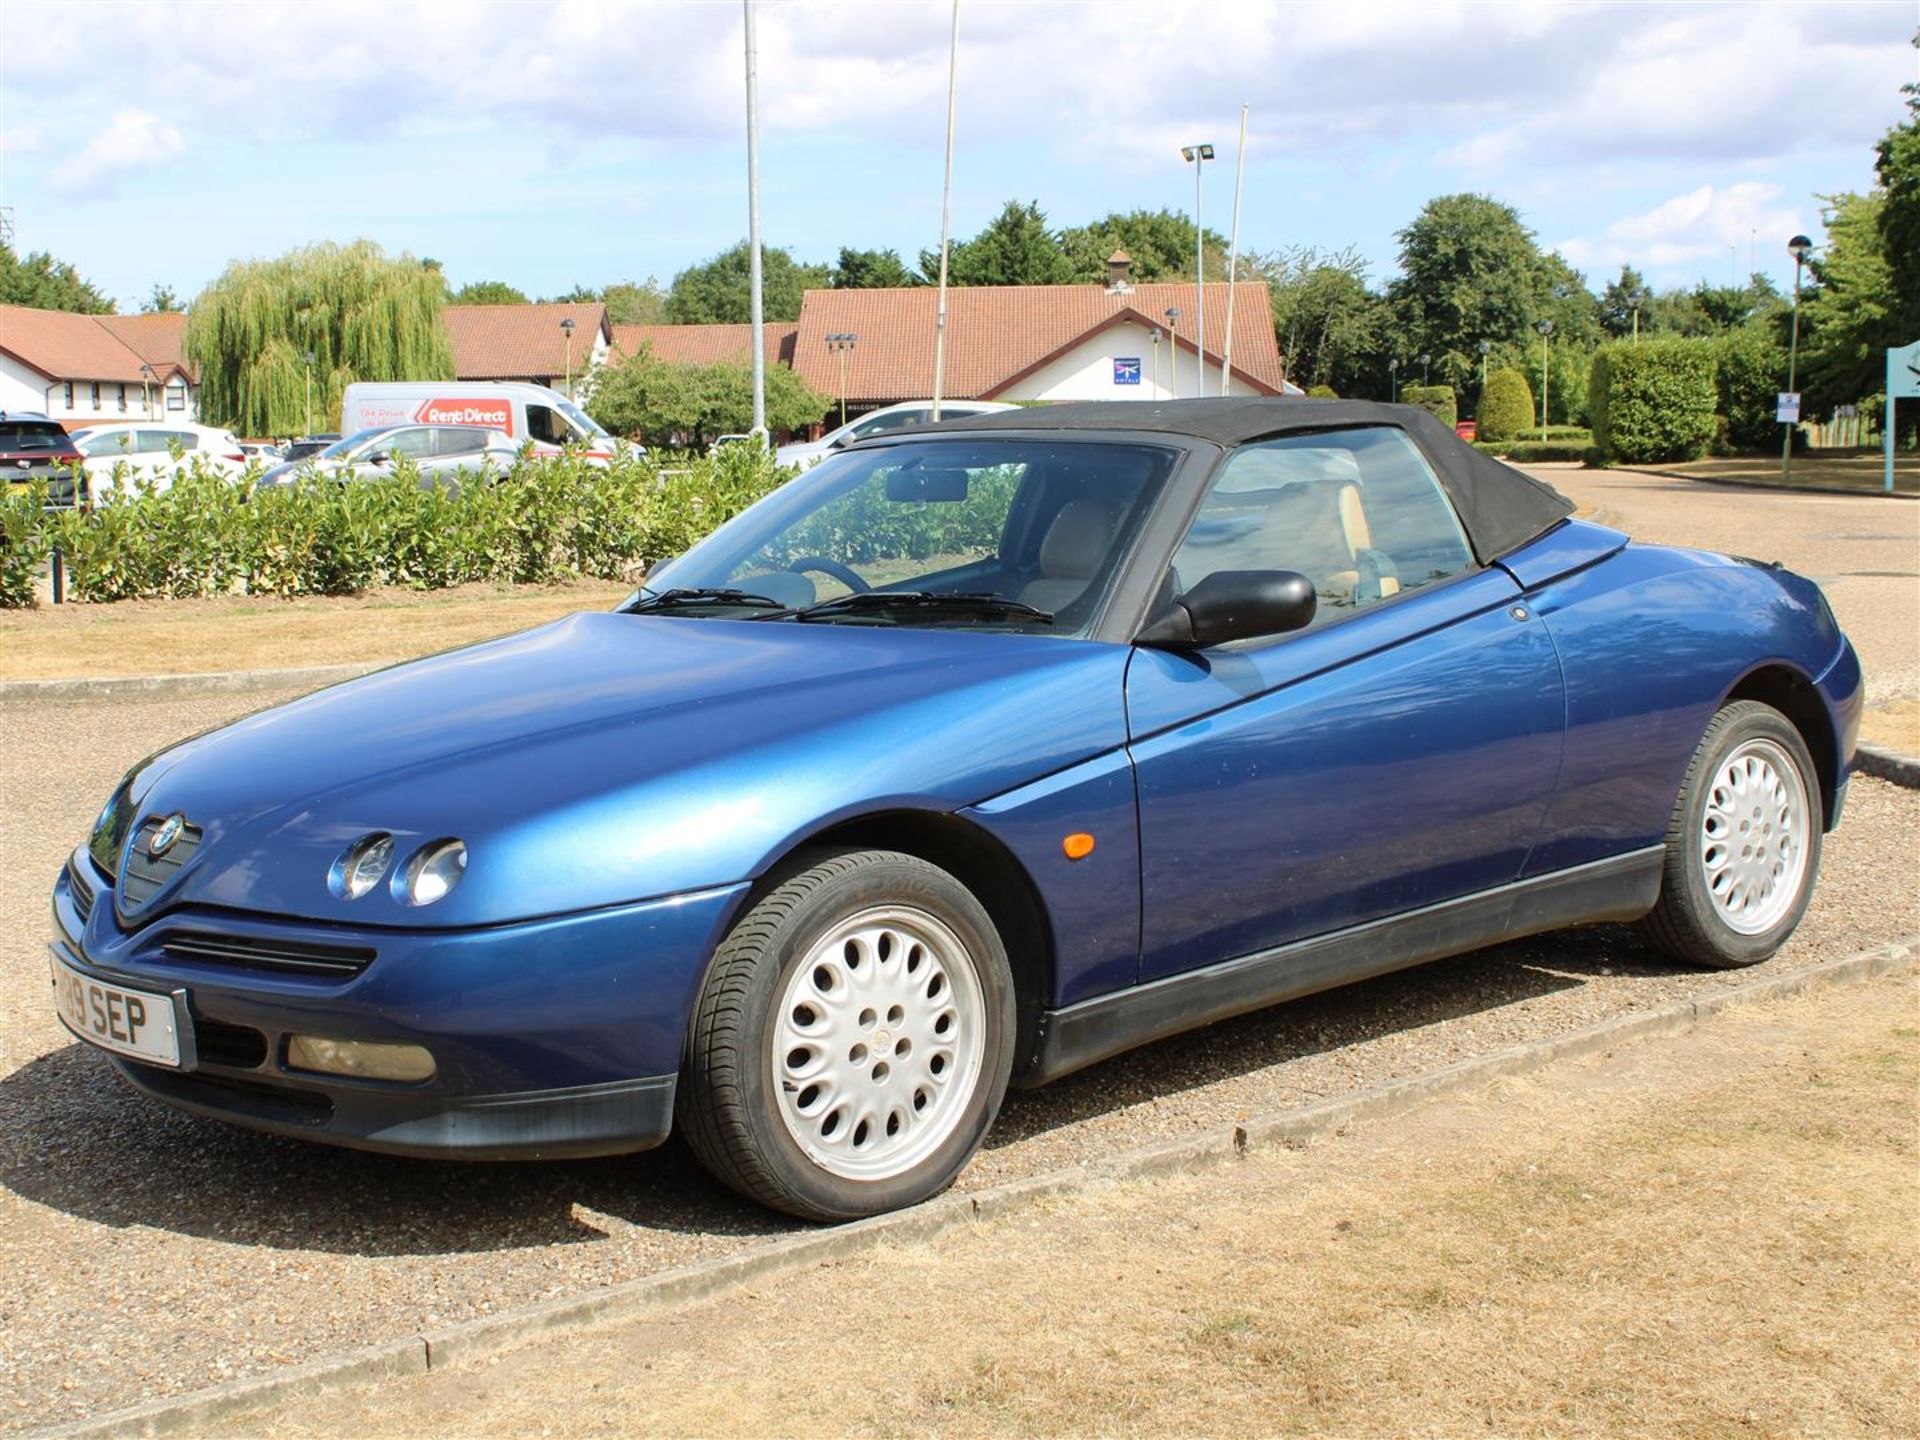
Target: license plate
(128, 1022)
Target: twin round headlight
(432, 870)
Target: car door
(456, 450)
(1398, 752)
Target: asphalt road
(145, 1253)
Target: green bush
(1322, 392)
(1751, 371)
(1437, 400)
(25, 541)
(1506, 406)
(1653, 401)
(541, 521)
(1521, 451)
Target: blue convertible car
(975, 755)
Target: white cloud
(20, 140)
(133, 140)
(1710, 230)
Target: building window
(123, 397)
(94, 385)
(69, 399)
(176, 396)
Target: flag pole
(946, 219)
(754, 276)
(1233, 252)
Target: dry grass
(1894, 725)
(1711, 1235)
(177, 637)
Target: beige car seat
(1076, 546)
(1321, 531)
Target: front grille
(81, 886)
(238, 1046)
(297, 957)
(277, 1103)
(147, 872)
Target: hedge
(1437, 400)
(542, 521)
(1506, 406)
(1322, 392)
(1751, 371)
(1654, 401)
(1522, 451)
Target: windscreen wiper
(689, 597)
(966, 602)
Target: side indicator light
(1078, 845)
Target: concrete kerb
(232, 681)
(493, 1335)
(1889, 765)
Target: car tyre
(852, 1040)
(1743, 843)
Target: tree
(1620, 300)
(1159, 242)
(1015, 248)
(871, 270)
(1332, 330)
(718, 291)
(47, 284)
(628, 303)
(1846, 318)
(488, 292)
(365, 315)
(1898, 168)
(689, 405)
(162, 302)
(1470, 271)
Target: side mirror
(379, 457)
(1234, 605)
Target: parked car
(971, 757)
(878, 422)
(35, 447)
(120, 455)
(266, 452)
(306, 445)
(438, 452)
(518, 410)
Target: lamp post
(1545, 327)
(1799, 247)
(309, 362)
(147, 380)
(566, 329)
(1634, 302)
(1426, 369)
(1393, 379)
(1197, 156)
(840, 343)
(1155, 335)
(1485, 346)
(1172, 317)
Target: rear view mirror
(922, 484)
(1234, 605)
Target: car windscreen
(1024, 534)
(586, 424)
(340, 449)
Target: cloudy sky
(587, 141)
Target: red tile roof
(704, 344)
(156, 339)
(64, 346)
(506, 342)
(998, 332)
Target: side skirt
(1622, 887)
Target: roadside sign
(1787, 407)
(1903, 383)
(1126, 371)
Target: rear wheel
(1743, 843)
(852, 1042)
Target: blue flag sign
(1126, 371)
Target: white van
(522, 412)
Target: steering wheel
(830, 567)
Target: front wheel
(852, 1042)
(1743, 843)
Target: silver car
(440, 453)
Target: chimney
(1119, 273)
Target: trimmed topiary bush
(1654, 401)
(1506, 406)
(1436, 400)
(1752, 370)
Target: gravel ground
(145, 1253)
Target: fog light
(361, 1059)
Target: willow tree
(361, 313)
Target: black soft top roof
(1501, 508)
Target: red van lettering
(494, 414)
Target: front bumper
(554, 1037)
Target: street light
(1800, 247)
(1393, 379)
(309, 361)
(1197, 156)
(566, 329)
(1545, 327)
(1426, 371)
(1485, 346)
(1635, 300)
(840, 343)
(1172, 317)
(147, 378)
